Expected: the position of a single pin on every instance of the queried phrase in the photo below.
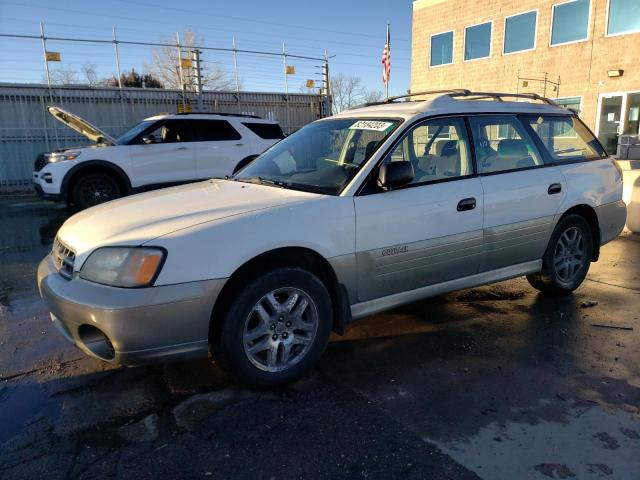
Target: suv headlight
(127, 267)
(63, 156)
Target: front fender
(216, 249)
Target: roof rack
(462, 92)
(222, 114)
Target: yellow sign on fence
(52, 56)
(185, 62)
(310, 83)
(290, 70)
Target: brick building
(584, 53)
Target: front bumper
(46, 196)
(130, 326)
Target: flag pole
(386, 85)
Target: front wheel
(276, 328)
(566, 261)
(93, 189)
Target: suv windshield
(321, 157)
(134, 131)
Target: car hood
(141, 218)
(81, 126)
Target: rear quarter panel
(593, 183)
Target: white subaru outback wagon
(354, 214)
(160, 151)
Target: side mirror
(395, 174)
(147, 139)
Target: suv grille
(63, 258)
(41, 161)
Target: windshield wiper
(262, 181)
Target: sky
(353, 31)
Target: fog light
(96, 342)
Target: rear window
(214, 131)
(268, 131)
(566, 138)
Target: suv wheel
(566, 262)
(94, 188)
(276, 328)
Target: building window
(623, 17)
(569, 102)
(442, 49)
(570, 22)
(477, 41)
(520, 32)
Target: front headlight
(63, 156)
(127, 267)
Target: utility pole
(235, 72)
(326, 87)
(180, 73)
(195, 58)
(46, 69)
(115, 47)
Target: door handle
(554, 188)
(239, 144)
(466, 204)
(181, 148)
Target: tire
(567, 259)
(94, 188)
(263, 343)
(243, 163)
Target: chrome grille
(63, 258)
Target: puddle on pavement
(22, 403)
(27, 230)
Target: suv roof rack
(222, 114)
(467, 94)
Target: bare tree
(64, 76)
(372, 96)
(89, 73)
(347, 91)
(165, 66)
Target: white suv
(351, 215)
(160, 151)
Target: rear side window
(502, 144)
(566, 138)
(214, 131)
(267, 131)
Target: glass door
(609, 121)
(633, 115)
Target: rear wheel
(95, 188)
(566, 262)
(276, 328)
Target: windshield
(321, 157)
(133, 132)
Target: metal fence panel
(26, 129)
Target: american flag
(386, 59)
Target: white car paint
(156, 164)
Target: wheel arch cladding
(589, 214)
(94, 166)
(292, 257)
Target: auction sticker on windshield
(376, 125)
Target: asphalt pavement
(497, 382)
